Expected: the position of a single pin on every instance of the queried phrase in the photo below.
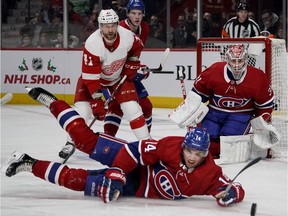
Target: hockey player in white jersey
(109, 53)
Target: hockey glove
(143, 73)
(112, 184)
(234, 195)
(265, 135)
(97, 106)
(130, 69)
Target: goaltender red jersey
(252, 93)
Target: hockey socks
(62, 175)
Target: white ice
(33, 130)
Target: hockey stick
(182, 84)
(184, 93)
(111, 97)
(164, 57)
(6, 98)
(223, 193)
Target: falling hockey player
(170, 168)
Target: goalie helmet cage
(267, 54)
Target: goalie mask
(197, 139)
(236, 58)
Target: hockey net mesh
(270, 56)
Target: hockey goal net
(267, 54)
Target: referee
(240, 26)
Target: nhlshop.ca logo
(36, 66)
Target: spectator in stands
(153, 20)
(75, 21)
(157, 31)
(270, 21)
(73, 16)
(241, 26)
(191, 24)
(57, 5)
(210, 28)
(73, 41)
(81, 7)
(181, 38)
(251, 15)
(56, 24)
(36, 25)
(119, 6)
(157, 36)
(47, 11)
(44, 39)
(90, 23)
(279, 33)
(26, 41)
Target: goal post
(269, 55)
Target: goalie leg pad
(235, 149)
(190, 112)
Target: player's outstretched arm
(234, 195)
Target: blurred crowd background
(68, 23)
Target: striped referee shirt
(234, 29)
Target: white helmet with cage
(108, 16)
(236, 58)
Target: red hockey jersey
(163, 174)
(252, 93)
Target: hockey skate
(67, 151)
(41, 95)
(17, 162)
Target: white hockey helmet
(108, 16)
(236, 58)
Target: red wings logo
(113, 67)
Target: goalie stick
(164, 57)
(110, 98)
(6, 98)
(223, 193)
(182, 84)
(184, 93)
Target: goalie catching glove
(190, 112)
(112, 185)
(265, 135)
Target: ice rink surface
(33, 130)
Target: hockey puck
(253, 209)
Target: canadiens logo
(229, 102)
(166, 185)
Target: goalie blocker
(190, 112)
